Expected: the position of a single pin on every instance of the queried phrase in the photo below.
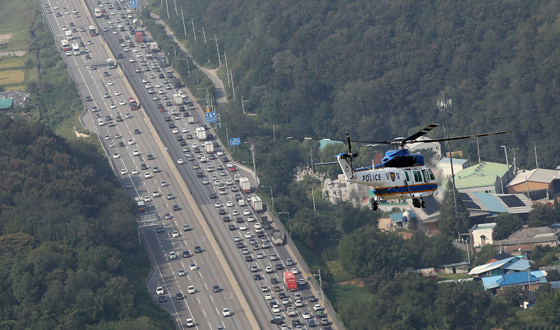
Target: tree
(553, 275)
(542, 215)
(486, 253)
(513, 295)
(547, 307)
(452, 222)
(506, 224)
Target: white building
(426, 144)
(481, 234)
(445, 166)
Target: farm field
(15, 19)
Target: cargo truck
(190, 119)
(65, 45)
(97, 12)
(76, 49)
(139, 37)
(141, 206)
(209, 148)
(290, 281)
(68, 35)
(177, 99)
(154, 47)
(278, 238)
(245, 184)
(200, 133)
(256, 203)
(92, 32)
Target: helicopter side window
(432, 176)
(417, 177)
(424, 175)
(407, 177)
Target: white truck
(200, 133)
(190, 119)
(154, 47)
(68, 34)
(209, 147)
(177, 99)
(256, 203)
(76, 49)
(245, 184)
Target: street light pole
(217, 50)
(271, 195)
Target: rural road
(219, 89)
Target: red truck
(290, 280)
(139, 37)
(133, 104)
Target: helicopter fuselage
(393, 182)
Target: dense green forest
(376, 69)
(69, 253)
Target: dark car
(200, 175)
(137, 131)
(172, 125)
(179, 296)
(121, 144)
(239, 245)
(143, 166)
(257, 277)
(161, 75)
(88, 99)
(296, 322)
(232, 227)
(312, 299)
(227, 219)
(222, 211)
(267, 226)
(119, 56)
(225, 159)
(213, 195)
(119, 118)
(275, 321)
(239, 220)
(273, 281)
(248, 258)
(150, 157)
(279, 266)
(162, 299)
(105, 74)
(176, 208)
(167, 118)
(260, 234)
(197, 249)
(216, 288)
(161, 229)
(187, 254)
(281, 295)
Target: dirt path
(16, 53)
(219, 88)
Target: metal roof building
(486, 177)
(504, 266)
(538, 183)
(5, 104)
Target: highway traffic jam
(131, 94)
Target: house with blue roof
(514, 264)
(529, 281)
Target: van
(242, 202)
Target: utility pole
(176, 12)
(478, 149)
(536, 158)
(217, 49)
(204, 34)
(445, 105)
(227, 69)
(232, 86)
(320, 283)
(167, 5)
(184, 27)
(193, 30)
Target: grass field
(11, 77)
(15, 19)
(9, 63)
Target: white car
(156, 193)
(273, 257)
(190, 288)
(131, 142)
(246, 212)
(226, 312)
(242, 227)
(124, 171)
(217, 204)
(245, 251)
(147, 175)
(118, 136)
(112, 145)
(230, 164)
(110, 83)
(260, 255)
(317, 307)
(122, 102)
(172, 255)
(147, 199)
(175, 130)
(236, 239)
(132, 60)
(268, 296)
(134, 171)
(180, 161)
(113, 106)
(107, 137)
(234, 212)
(268, 269)
(175, 234)
(306, 315)
(258, 226)
(190, 323)
(250, 219)
(299, 303)
(229, 182)
(295, 270)
(275, 308)
(136, 152)
(116, 156)
(219, 153)
(229, 204)
(184, 130)
(159, 290)
(182, 272)
(193, 266)
(117, 93)
(248, 234)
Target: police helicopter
(401, 175)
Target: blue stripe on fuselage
(404, 189)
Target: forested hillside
(376, 68)
(69, 253)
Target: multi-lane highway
(158, 141)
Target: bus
(97, 12)
(65, 45)
(92, 32)
(68, 35)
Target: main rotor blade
(328, 163)
(335, 140)
(468, 136)
(421, 132)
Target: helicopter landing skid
(418, 203)
(374, 204)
